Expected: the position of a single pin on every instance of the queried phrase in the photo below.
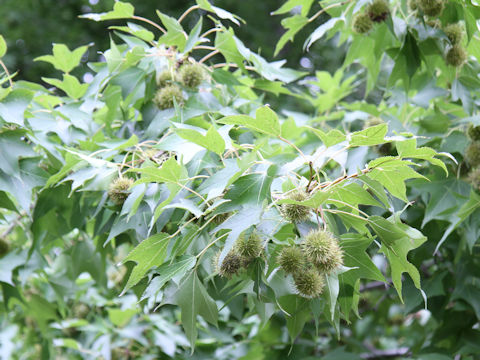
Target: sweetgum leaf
(193, 299)
(149, 253)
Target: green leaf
(221, 13)
(3, 47)
(266, 121)
(12, 107)
(149, 253)
(298, 314)
(408, 149)
(320, 31)
(120, 317)
(470, 206)
(293, 24)
(193, 299)
(121, 10)
(176, 269)
(70, 85)
(170, 172)
(354, 248)
(175, 34)
(291, 4)
(392, 174)
(63, 59)
(136, 31)
(387, 230)
(212, 140)
(317, 199)
(371, 136)
(9, 263)
(352, 194)
(397, 256)
(252, 188)
(194, 36)
(333, 137)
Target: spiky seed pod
(118, 190)
(164, 78)
(431, 7)
(191, 75)
(434, 23)
(378, 10)
(362, 23)
(80, 311)
(456, 56)
(291, 259)
(323, 250)
(454, 33)
(231, 265)
(473, 132)
(412, 5)
(220, 218)
(4, 247)
(472, 154)
(386, 149)
(164, 97)
(294, 212)
(474, 178)
(309, 283)
(249, 247)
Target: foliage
(146, 216)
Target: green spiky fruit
(165, 78)
(456, 56)
(473, 132)
(231, 265)
(291, 259)
(472, 154)
(249, 247)
(474, 178)
(164, 97)
(4, 247)
(80, 311)
(309, 283)
(119, 190)
(454, 33)
(220, 218)
(362, 23)
(191, 75)
(294, 212)
(323, 250)
(378, 10)
(434, 23)
(412, 5)
(431, 7)
(386, 149)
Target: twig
(206, 33)
(208, 56)
(204, 47)
(188, 11)
(294, 146)
(321, 11)
(7, 73)
(373, 286)
(232, 65)
(140, 18)
(12, 226)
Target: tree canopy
(189, 193)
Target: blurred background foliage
(30, 27)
